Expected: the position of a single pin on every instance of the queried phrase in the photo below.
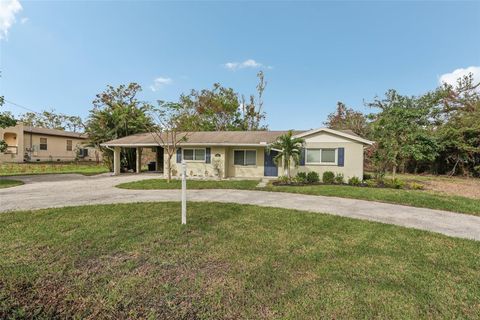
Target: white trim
(193, 160)
(335, 132)
(335, 163)
(245, 158)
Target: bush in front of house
(339, 178)
(367, 176)
(301, 177)
(354, 181)
(394, 183)
(313, 177)
(328, 177)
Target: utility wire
(20, 106)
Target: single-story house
(227, 154)
(32, 144)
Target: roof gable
(340, 133)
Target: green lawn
(229, 261)
(415, 198)
(4, 183)
(15, 169)
(193, 184)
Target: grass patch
(414, 198)
(6, 183)
(15, 169)
(150, 184)
(229, 261)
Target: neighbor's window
(69, 145)
(194, 154)
(245, 157)
(321, 156)
(43, 143)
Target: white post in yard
(184, 192)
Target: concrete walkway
(70, 189)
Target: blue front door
(270, 168)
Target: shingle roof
(55, 132)
(209, 138)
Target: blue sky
(60, 54)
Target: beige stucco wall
(353, 159)
(246, 171)
(7, 135)
(200, 168)
(56, 146)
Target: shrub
(394, 183)
(416, 186)
(354, 181)
(367, 176)
(312, 177)
(339, 178)
(328, 177)
(283, 180)
(371, 183)
(301, 177)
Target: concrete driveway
(46, 191)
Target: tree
(220, 109)
(457, 119)
(6, 120)
(166, 132)
(52, 120)
(118, 113)
(348, 119)
(252, 112)
(401, 131)
(290, 149)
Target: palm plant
(289, 149)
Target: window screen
(328, 155)
(250, 157)
(313, 155)
(43, 143)
(69, 145)
(188, 154)
(238, 157)
(199, 154)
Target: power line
(20, 106)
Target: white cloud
(451, 78)
(24, 20)
(249, 63)
(8, 10)
(160, 82)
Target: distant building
(31, 144)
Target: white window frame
(245, 158)
(335, 163)
(199, 161)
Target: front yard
(229, 261)
(86, 168)
(414, 198)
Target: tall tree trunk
(394, 170)
(169, 168)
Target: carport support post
(184, 192)
(116, 160)
(138, 164)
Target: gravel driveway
(46, 191)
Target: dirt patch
(469, 188)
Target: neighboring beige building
(227, 154)
(30, 144)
